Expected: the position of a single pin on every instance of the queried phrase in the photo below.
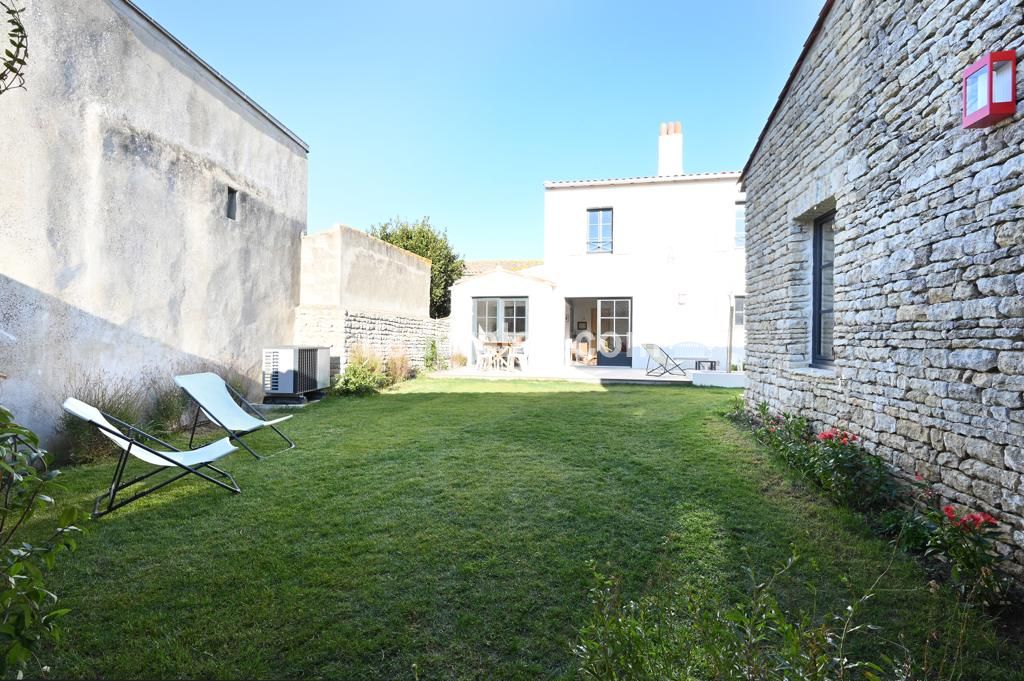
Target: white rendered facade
(672, 261)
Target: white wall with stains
(116, 254)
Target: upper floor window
(599, 230)
(739, 310)
(822, 290)
(741, 225)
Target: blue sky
(460, 111)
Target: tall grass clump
(398, 367)
(118, 397)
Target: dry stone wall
(385, 334)
(929, 243)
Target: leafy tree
(420, 237)
(12, 61)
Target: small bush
(115, 396)
(962, 542)
(834, 459)
(29, 617)
(432, 359)
(753, 639)
(398, 367)
(459, 360)
(365, 374)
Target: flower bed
(958, 545)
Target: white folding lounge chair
(660, 363)
(133, 444)
(226, 408)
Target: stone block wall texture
(118, 259)
(385, 334)
(929, 243)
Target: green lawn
(444, 529)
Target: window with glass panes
(738, 310)
(599, 230)
(741, 225)
(514, 318)
(486, 317)
(822, 291)
(501, 319)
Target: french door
(614, 332)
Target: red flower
(826, 435)
(918, 477)
(949, 511)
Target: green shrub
(28, 612)
(114, 396)
(834, 459)
(851, 475)
(365, 374)
(631, 640)
(964, 543)
(432, 360)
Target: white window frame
(741, 224)
(739, 310)
(503, 303)
(605, 237)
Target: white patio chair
(486, 356)
(519, 353)
(226, 408)
(133, 444)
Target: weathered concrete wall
(117, 256)
(929, 242)
(348, 274)
(349, 268)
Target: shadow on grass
(448, 525)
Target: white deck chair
(226, 408)
(660, 362)
(486, 357)
(132, 444)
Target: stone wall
(384, 334)
(929, 242)
(118, 258)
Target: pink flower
(949, 512)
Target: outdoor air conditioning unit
(295, 369)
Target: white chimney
(670, 149)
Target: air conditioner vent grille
(271, 371)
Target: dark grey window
(232, 207)
(599, 230)
(823, 291)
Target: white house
(626, 262)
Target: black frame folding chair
(223, 406)
(191, 462)
(664, 365)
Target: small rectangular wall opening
(232, 205)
